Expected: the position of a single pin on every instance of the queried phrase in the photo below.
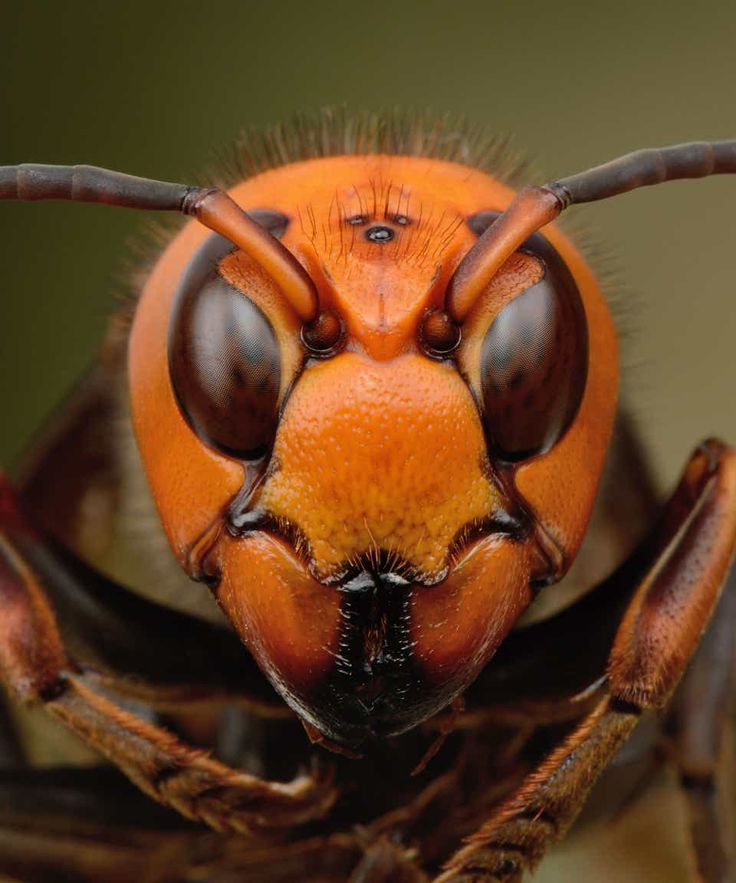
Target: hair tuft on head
(334, 131)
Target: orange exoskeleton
(361, 506)
(373, 389)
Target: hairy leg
(698, 727)
(689, 555)
(36, 668)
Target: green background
(156, 88)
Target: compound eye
(534, 361)
(224, 360)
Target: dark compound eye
(224, 360)
(534, 361)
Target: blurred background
(156, 88)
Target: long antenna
(535, 206)
(212, 207)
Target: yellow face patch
(379, 456)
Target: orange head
(375, 495)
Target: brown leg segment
(35, 667)
(179, 776)
(695, 541)
(91, 825)
(698, 729)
